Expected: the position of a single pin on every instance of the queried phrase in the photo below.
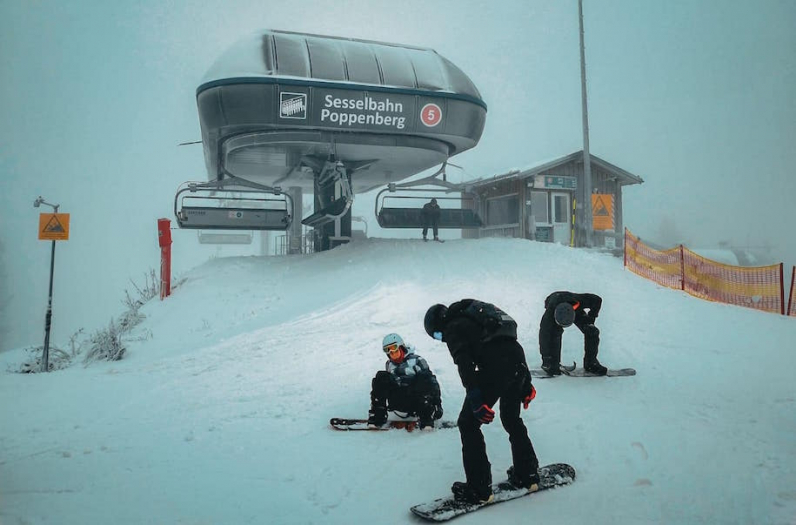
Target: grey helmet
(565, 314)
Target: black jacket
(579, 301)
(495, 360)
(430, 213)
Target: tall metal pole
(45, 356)
(587, 212)
(48, 318)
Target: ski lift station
(284, 113)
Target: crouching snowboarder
(406, 385)
(562, 309)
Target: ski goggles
(395, 352)
(392, 348)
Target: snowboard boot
(469, 494)
(594, 367)
(426, 413)
(377, 417)
(530, 482)
(552, 369)
(426, 424)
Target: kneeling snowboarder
(405, 385)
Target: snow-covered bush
(57, 358)
(106, 344)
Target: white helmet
(391, 340)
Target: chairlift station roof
(276, 103)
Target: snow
(219, 412)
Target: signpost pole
(58, 233)
(45, 356)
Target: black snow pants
(420, 398)
(550, 338)
(508, 382)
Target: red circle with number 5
(431, 115)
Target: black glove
(438, 412)
(481, 410)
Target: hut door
(560, 216)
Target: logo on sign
(430, 115)
(292, 105)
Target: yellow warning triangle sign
(54, 226)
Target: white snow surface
(219, 412)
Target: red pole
(790, 295)
(164, 240)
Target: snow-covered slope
(219, 412)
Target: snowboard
(447, 508)
(409, 425)
(574, 371)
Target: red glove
(481, 410)
(527, 399)
(484, 414)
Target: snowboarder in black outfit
(430, 215)
(562, 309)
(405, 385)
(480, 335)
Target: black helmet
(435, 317)
(565, 314)
(433, 201)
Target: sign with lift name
(53, 226)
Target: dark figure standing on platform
(482, 339)
(562, 309)
(430, 215)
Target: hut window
(541, 214)
(503, 210)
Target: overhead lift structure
(334, 117)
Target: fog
(694, 97)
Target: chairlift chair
(397, 216)
(239, 205)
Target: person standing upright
(430, 215)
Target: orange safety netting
(792, 299)
(758, 287)
(664, 267)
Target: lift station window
(503, 210)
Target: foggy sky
(694, 96)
